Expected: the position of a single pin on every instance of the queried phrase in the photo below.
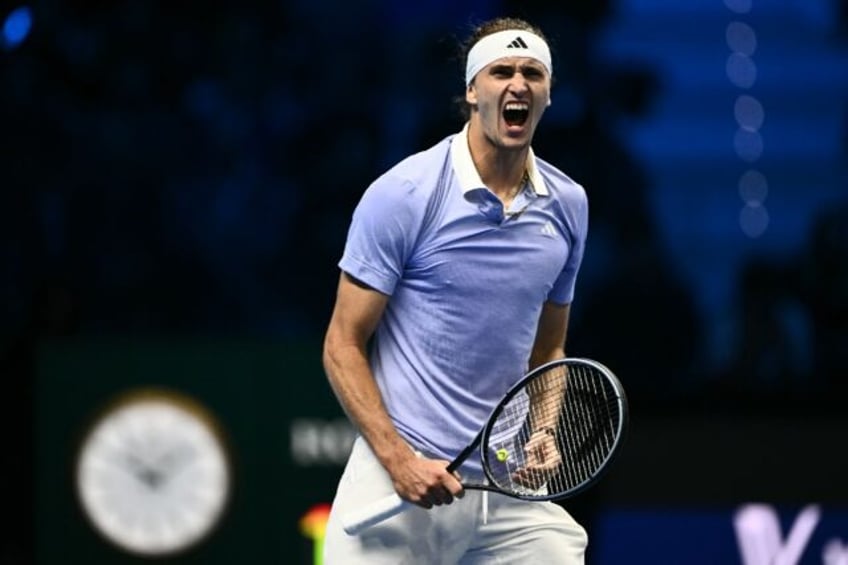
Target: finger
(424, 502)
(440, 496)
(424, 498)
(461, 492)
(455, 488)
(454, 485)
(528, 477)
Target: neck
(502, 169)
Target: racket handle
(356, 522)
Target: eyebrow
(524, 67)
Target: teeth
(517, 106)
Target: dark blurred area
(182, 169)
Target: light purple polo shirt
(467, 284)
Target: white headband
(507, 43)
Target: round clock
(153, 473)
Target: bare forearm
(353, 383)
(355, 318)
(546, 398)
(547, 394)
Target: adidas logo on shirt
(517, 43)
(549, 230)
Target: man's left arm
(541, 451)
(550, 334)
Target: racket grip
(356, 522)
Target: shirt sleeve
(382, 233)
(578, 226)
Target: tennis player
(456, 278)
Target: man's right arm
(357, 312)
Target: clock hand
(175, 459)
(143, 471)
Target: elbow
(335, 353)
(328, 354)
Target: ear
(471, 94)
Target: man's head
(508, 79)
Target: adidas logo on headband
(517, 43)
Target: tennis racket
(552, 436)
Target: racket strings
(555, 434)
(587, 428)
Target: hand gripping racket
(551, 436)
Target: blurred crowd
(191, 169)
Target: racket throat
(463, 455)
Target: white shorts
(479, 528)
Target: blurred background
(177, 180)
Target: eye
(533, 73)
(502, 71)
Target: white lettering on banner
(758, 533)
(835, 553)
(316, 442)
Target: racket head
(556, 431)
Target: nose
(518, 84)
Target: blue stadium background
(180, 175)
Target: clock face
(152, 473)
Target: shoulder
(562, 186)
(405, 188)
(569, 198)
(420, 171)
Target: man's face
(508, 98)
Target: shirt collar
(469, 178)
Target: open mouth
(516, 113)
